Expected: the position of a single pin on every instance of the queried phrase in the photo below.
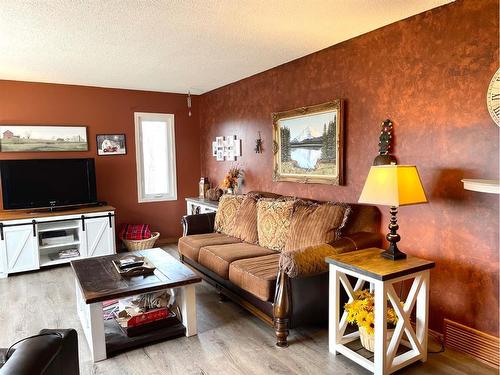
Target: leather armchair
(53, 353)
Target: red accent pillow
(135, 232)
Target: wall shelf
(482, 186)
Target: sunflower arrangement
(230, 181)
(361, 311)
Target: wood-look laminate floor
(229, 340)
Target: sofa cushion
(256, 275)
(189, 246)
(273, 222)
(316, 223)
(217, 258)
(245, 225)
(226, 213)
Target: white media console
(30, 240)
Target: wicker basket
(368, 341)
(214, 194)
(148, 243)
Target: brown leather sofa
(256, 278)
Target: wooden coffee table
(97, 280)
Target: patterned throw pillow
(273, 222)
(245, 225)
(316, 223)
(226, 213)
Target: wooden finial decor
(384, 145)
(258, 145)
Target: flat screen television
(46, 183)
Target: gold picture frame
(308, 144)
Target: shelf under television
(53, 227)
(59, 245)
(46, 261)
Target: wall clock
(493, 97)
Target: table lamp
(393, 185)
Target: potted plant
(361, 312)
(230, 181)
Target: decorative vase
(368, 341)
(230, 191)
(203, 187)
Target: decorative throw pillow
(245, 225)
(135, 232)
(273, 222)
(316, 223)
(226, 213)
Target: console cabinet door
(20, 249)
(99, 237)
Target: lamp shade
(393, 185)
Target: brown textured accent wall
(429, 74)
(109, 111)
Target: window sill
(162, 199)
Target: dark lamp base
(393, 256)
(393, 237)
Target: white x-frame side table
(367, 266)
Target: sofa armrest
(198, 224)
(310, 260)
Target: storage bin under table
(368, 266)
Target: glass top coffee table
(97, 280)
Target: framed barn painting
(308, 144)
(34, 138)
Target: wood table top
(368, 262)
(100, 281)
(30, 214)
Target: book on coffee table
(133, 266)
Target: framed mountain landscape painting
(308, 144)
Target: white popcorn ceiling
(176, 45)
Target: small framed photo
(220, 155)
(237, 147)
(220, 141)
(230, 141)
(230, 155)
(111, 144)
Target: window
(155, 153)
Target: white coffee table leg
(92, 320)
(186, 299)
